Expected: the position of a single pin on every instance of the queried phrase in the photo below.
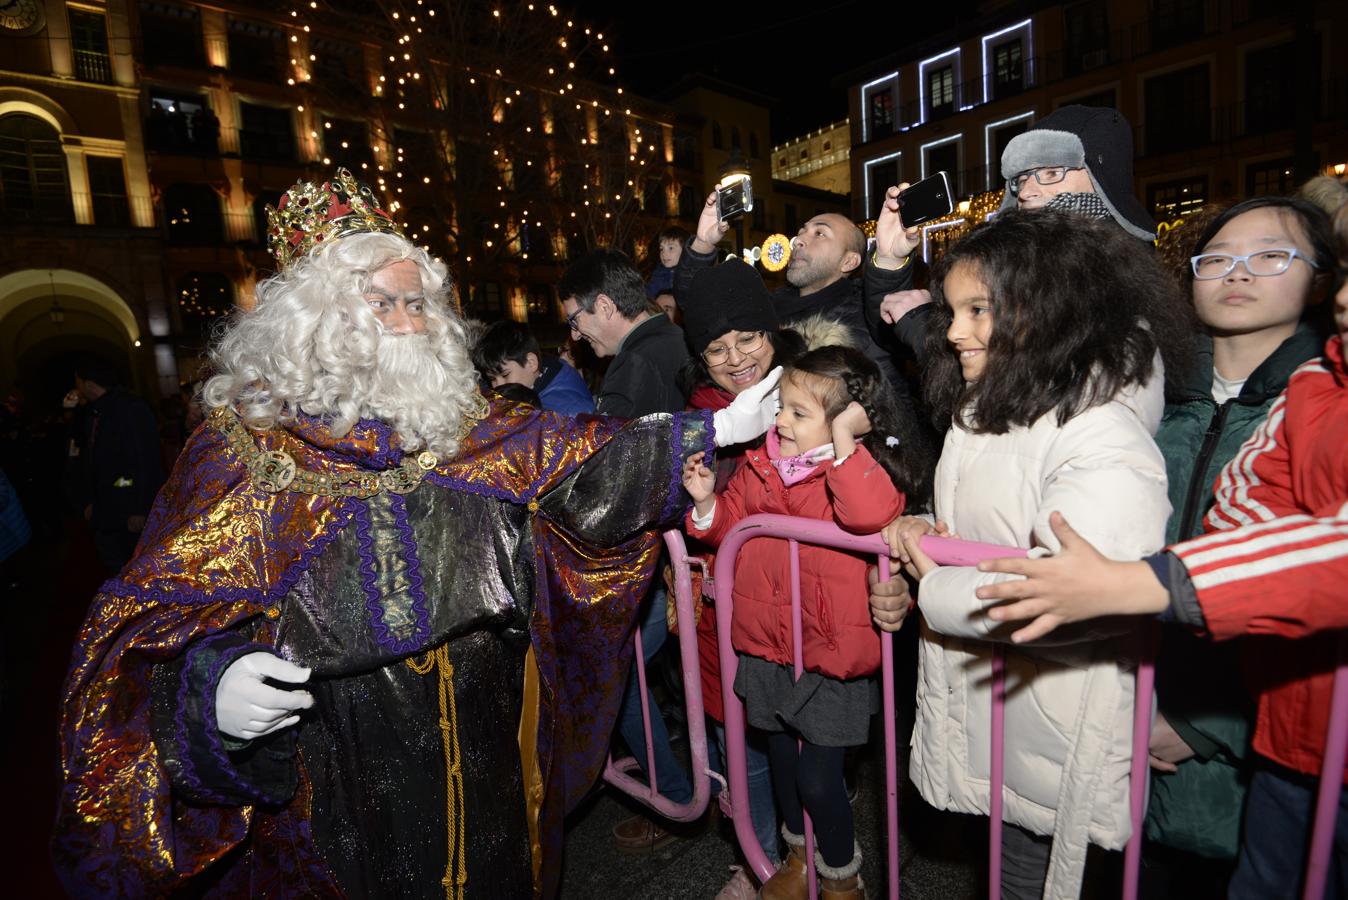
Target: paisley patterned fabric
(220, 557)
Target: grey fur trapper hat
(1095, 138)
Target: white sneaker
(739, 887)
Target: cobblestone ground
(940, 854)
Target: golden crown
(309, 216)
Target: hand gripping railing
(946, 551)
(617, 772)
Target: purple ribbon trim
(398, 503)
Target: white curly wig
(313, 345)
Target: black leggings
(813, 775)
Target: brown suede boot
(791, 880)
(842, 882)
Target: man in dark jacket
(604, 299)
(825, 255)
(605, 303)
(117, 470)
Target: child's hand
(850, 423)
(896, 532)
(698, 480)
(890, 600)
(919, 563)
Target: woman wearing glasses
(1260, 274)
(732, 330)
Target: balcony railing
(93, 65)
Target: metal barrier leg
(996, 774)
(1139, 775)
(1331, 782)
(891, 747)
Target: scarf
(795, 469)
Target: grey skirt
(825, 711)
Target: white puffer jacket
(1069, 707)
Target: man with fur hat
(1078, 159)
(375, 635)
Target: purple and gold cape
(219, 553)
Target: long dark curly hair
(1080, 311)
(835, 376)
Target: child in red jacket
(813, 465)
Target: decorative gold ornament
(308, 217)
(275, 470)
(776, 252)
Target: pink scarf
(795, 469)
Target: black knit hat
(728, 297)
(1098, 138)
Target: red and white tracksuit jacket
(1275, 563)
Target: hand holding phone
(734, 199)
(929, 199)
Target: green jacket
(1198, 683)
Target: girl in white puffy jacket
(1046, 370)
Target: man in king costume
(374, 636)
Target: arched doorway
(48, 317)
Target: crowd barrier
(944, 551)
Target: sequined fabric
(220, 556)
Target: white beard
(414, 388)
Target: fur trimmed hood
(818, 331)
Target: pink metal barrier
(617, 773)
(1331, 782)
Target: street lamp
(734, 169)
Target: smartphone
(928, 199)
(735, 199)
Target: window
(1008, 67)
(33, 185)
(89, 40)
(997, 146)
(1177, 115)
(180, 123)
(256, 51)
(107, 189)
(1270, 91)
(540, 302)
(804, 153)
(266, 132)
(1173, 199)
(203, 297)
(781, 162)
(347, 143)
(653, 197)
(882, 113)
(1273, 177)
(171, 36)
(487, 297)
(941, 91)
(717, 139)
(192, 214)
(753, 145)
(537, 242)
(882, 177)
(339, 65)
(828, 145)
(945, 158)
(735, 137)
(1175, 22)
(1087, 27)
(685, 150)
(689, 202)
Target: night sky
(797, 60)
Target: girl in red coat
(813, 465)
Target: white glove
(750, 414)
(247, 708)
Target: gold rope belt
(456, 864)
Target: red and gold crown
(309, 217)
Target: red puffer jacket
(838, 640)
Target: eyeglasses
(1273, 261)
(747, 343)
(1043, 175)
(571, 320)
